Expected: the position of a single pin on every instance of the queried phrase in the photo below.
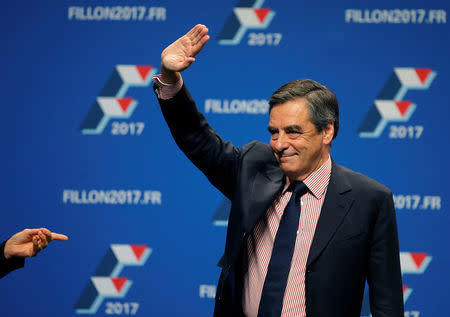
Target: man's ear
(327, 133)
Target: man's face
(297, 145)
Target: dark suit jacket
(9, 265)
(355, 238)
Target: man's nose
(281, 143)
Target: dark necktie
(280, 261)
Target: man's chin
(287, 169)
(290, 171)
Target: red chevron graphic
(418, 258)
(124, 103)
(403, 106)
(118, 282)
(423, 73)
(138, 250)
(261, 14)
(144, 71)
(405, 287)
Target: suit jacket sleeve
(384, 277)
(9, 265)
(218, 160)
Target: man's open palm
(180, 54)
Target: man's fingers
(199, 41)
(199, 35)
(47, 233)
(52, 235)
(198, 47)
(36, 247)
(58, 236)
(31, 232)
(193, 30)
(44, 240)
(203, 41)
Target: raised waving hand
(180, 54)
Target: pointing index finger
(58, 236)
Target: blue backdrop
(87, 152)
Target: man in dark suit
(346, 232)
(26, 243)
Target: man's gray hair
(322, 103)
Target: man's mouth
(285, 157)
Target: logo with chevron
(389, 105)
(106, 281)
(413, 263)
(247, 14)
(112, 101)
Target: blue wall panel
(127, 192)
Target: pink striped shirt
(260, 244)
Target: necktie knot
(298, 188)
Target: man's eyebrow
(292, 127)
(271, 129)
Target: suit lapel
(338, 201)
(266, 186)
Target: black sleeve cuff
(8, 265)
